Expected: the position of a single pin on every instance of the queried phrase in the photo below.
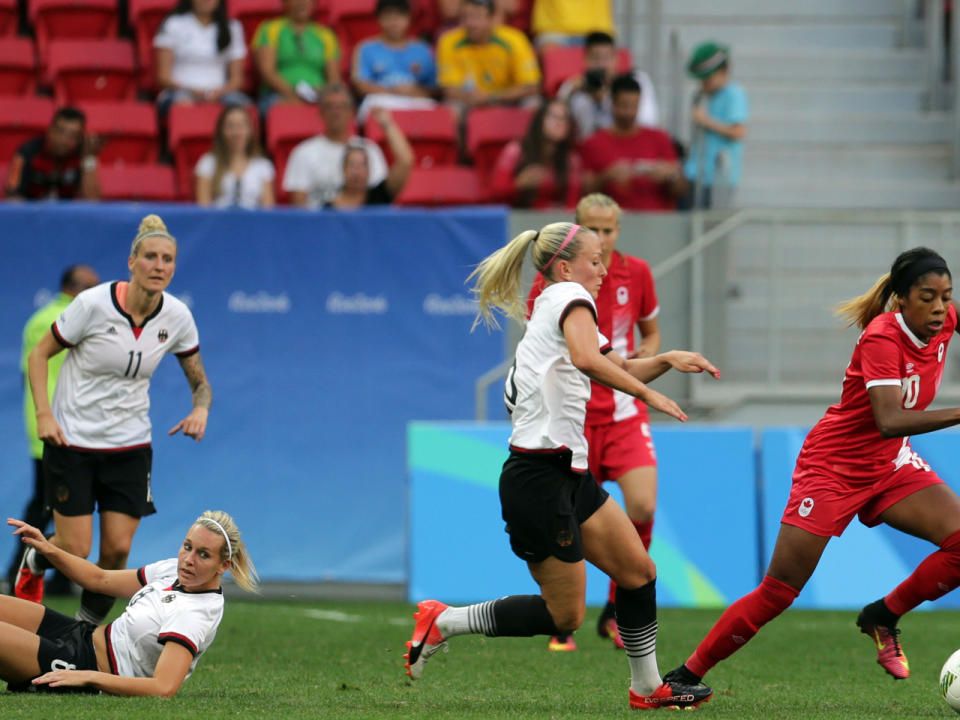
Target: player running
(172, 618)
(858, 461)
(97, 433)
(556, 514)
(617, 424)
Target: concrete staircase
(839, 112)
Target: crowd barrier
(722, 491)
(323, 334)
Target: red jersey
(847, 440)
(626, 297)
(603, 149)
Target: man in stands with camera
(589, 94)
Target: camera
(594, 79)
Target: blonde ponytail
(151, 226)
(498, 275)
(862, 309)
(241, 566)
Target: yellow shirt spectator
(572, 17)
(506, 61)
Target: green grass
(293, 660)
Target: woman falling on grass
(172, 618)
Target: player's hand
(49, 431)
(29, 535)
(620, 173)
(690, 362)
(661, 402)
(64, 678)
(193, 425)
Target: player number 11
(130, 364)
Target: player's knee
(113, 556)
(568, 619)
(75, 546)
(640, 573)
(641, 511)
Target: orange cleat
(611, 631)
(671, 695)
(426, 639)
(889, 653)
(562, 643)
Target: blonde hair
(498, 275)
(241, 567)
(862, 309)
(150, 226)
(596, 200)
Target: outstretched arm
(168, 676)
(894, 421)
(650, 368)
(116, 583)
(195, 424)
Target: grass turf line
(341, 660)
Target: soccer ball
(950, 681)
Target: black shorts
(76, 481)
(544, 503)
(65, 643)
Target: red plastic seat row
(8, 17)
(561, 63)
(147, 182)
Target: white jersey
(545, 392)
(159, 613)
(101, 400)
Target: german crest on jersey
(162, 335)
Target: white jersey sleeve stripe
(880, 383)
(651, 316)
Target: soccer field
(344, 660)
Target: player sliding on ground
(175, 608)
(858, 461)
(556, 514)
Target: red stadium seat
(251, 13)
(489, 129)
(321, 12)
(354, 20)
(60, 19)
(91, 70)
(520, 18)
(441, 186)
(190, 131)
(287, 126)
(145, 19)
(560, 63)
(129, 131)
(8, 17)
(432, 134)
(152, 182)
(18, 66)
(22, 118)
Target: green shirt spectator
(295, 58)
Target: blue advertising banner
(322, 333)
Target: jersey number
(910, 391)
(130, 364)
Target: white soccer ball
(950, 681)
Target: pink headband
(566, 241)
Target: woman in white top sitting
(556, 514)
(175, 608)
(235, 172)
(199, 55)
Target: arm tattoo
(199, 387)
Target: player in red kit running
(858, 461)
(618, 425)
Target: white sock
(641, 647)
(467, 620)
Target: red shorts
(617, 447)
(824, 503)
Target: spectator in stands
(719, 128)
(589, 93)
(295, 56)
(61, 164)
(314, 173)
(481, 63)
(567, 22)
(543, 169)
(636, 166)
(235, 172)
(199, 55)
(448, 12)
(357, 191)
(394, 71)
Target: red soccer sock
(938, 574)
(740, 622)
(645, 531)
(612, 593)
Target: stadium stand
(21, 119)
(59, 19)
(431, 133)
(251, 13)
(150, 181)
(441, 186)
(560, 63)
(129, 131)
(145, 17)
(18, 66)
(353, 20)
(190, 131)
(91, 70)
(489, 129)
(9, 17)
(287, 126)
